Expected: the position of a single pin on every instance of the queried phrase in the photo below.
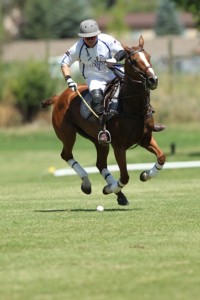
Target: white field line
(143, 166)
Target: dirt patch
(9, 115)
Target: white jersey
(92, 60)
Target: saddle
(111, 97)
(110, 103)
(111, 108)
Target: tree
(193, 6)
(68, 17)
(53, 19)
(9, 4)
(110, 3)
(117, 21)
(1, 32)
(167, 21)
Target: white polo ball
(100, 208)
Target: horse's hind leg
(66, 154)
(158, 166)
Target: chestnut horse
(127, 128)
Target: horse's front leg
(158, 166)
(86, 184)
(120, 155)
(101, 164)
(113, 186)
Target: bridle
(144, 78)
(133, 63)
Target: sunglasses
(91, 38)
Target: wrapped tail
(50, 101)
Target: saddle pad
(112, 105)
(84, 110)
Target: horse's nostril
(153, 80)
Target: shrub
(32, 84)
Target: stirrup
(104, 137)
(113, 112)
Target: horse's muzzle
(152, 82)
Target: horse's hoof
(86, 190)
(144, 177)
(86, 185)
(104, 191)
(122, 200)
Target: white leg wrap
(154, 171)
(117, 186)
(113, 186)
(77, 168)
(107, 176)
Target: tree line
(61, 18)
(23, 84)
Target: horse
(127, 128)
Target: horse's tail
(49, 101)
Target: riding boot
(97, 101)
(154, 127)
(97, 106)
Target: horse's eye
(134, 62)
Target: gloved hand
(111, 60)
(71, 84)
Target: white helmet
(89, 28)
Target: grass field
(55, 246)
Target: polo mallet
(87, 104)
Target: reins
(116, 70)
(135, 69)
(143, 81)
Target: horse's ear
(127, 49)
(141, 42)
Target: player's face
(90, 41)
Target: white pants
(99, 80)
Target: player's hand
(71, 84)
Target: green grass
(55, 245)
